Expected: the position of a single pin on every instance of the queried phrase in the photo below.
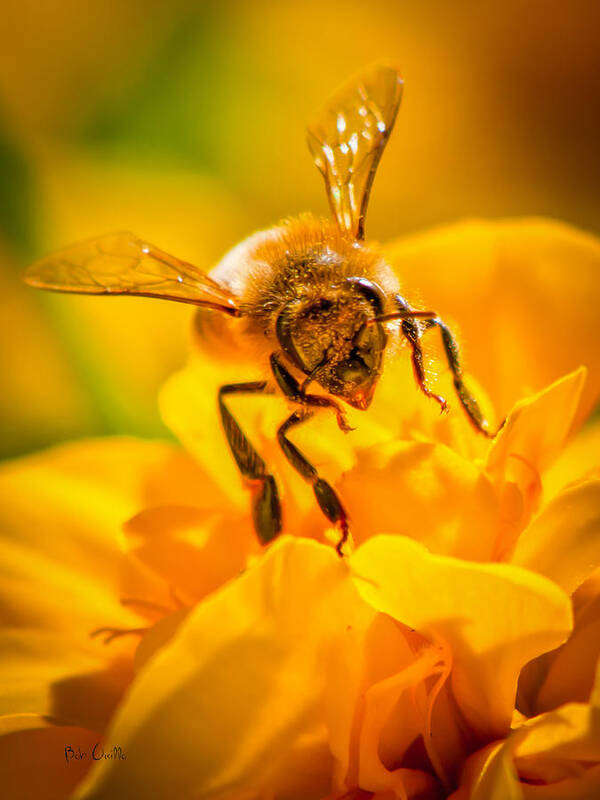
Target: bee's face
(352, 373)
(331, 342)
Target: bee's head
(354, 375)
(334, 340)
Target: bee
(311, 298)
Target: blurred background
(184, 122)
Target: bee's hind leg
(327, 498)
(410, 329)
(266, 507)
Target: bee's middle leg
(329, 503)
(266, 507)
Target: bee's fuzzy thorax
(301, 257)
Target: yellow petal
(240, 682)
(571, 732)
(476, 608)
(561, 748)
(563, 542)
(572, 669)
(533, 282)
(492, 775)
(400, 410)
(537, 427)
(194, 551)
(158, 635)
(395, 694)
(61, 515)
(57, 678)
(533, 435)
(400, 487)
(578, 461)
(64, 567)
(188, 404)
(376, 705)
(554, 755)
(64, 556)
(39, 764)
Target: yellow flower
(453, 653)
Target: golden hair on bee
(307, 263)
(303, 257)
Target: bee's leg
(410, 329)
(327, 498)
(468, 402)
(266, 508)
(293, 391)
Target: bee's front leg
(329, 503)
(411, 330)
(266, 507)
(293, 391)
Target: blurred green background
(184, 121)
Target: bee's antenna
(402, 315)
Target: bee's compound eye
(370, 291)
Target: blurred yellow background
(184, 122)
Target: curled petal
(535, 431)
(241, 682)
(568, 673)
(555, 755)
(61, 513)
(400, 487)
(577, 462)
(194, 551)
(537, 428)
(476, 608)
(563, 542)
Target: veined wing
(122, 263)
(347, 139)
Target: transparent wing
(347, 138)
(121, 263)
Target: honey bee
(311, 297)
